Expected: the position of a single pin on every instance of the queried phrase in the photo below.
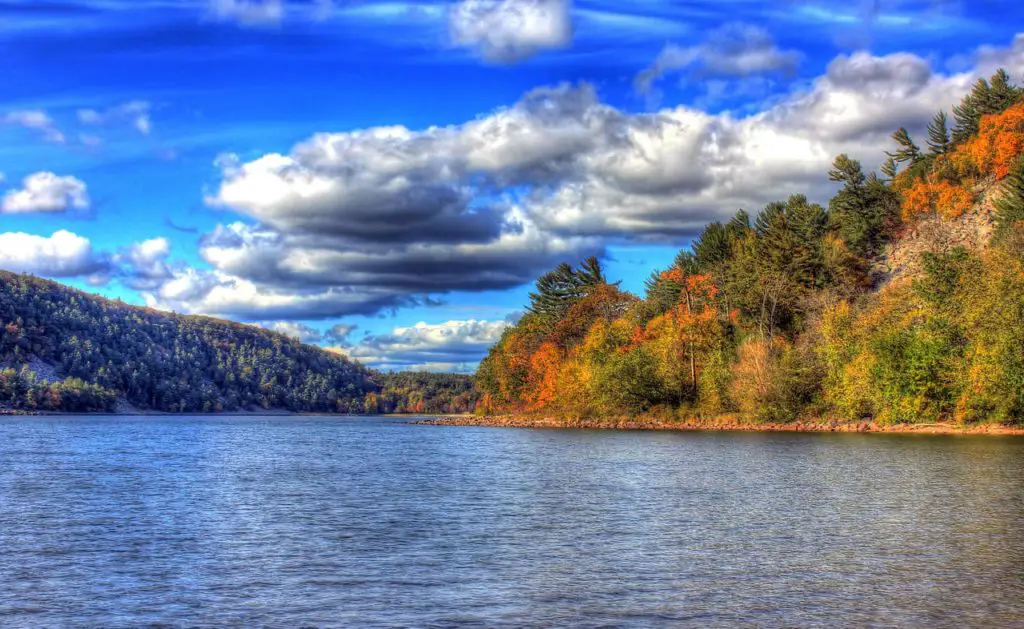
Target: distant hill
(423, 393)
(66, 350)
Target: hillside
(902, 301)
(63, 349)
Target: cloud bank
(381, 218)
(451, 346)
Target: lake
(371, 522)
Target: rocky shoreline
(727, 423)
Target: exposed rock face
(973, 230)
(42, 370)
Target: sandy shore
(721, 423)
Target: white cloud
(195, 291)
(144, 265)
(507, 31)
(62, 254)
(46, 192)
(298, 331)
(449, 346)
(36, 120)
(381, 218)
(735, 50)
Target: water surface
(328, 522)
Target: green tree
(938, 134)
(1009, 205)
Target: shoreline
(721, 424)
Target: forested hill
(902, 300)
(63, 349)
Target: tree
(986, 97)
(938, 134)
(864, 211)
(713, 247)
(559, 289)
(689, 328)
(908, 152)
(1009, 205)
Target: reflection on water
(326, 522)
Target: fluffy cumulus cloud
(450, 346)
(62, 254)
(144, 265)
(735, 50)
(46, 192)
(38, 121)
(381, 218)
(506, 31)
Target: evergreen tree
(559, 289)
(713, 246)
(908, 151)
(1003, 94)
(738, 227)
(890, 168)
(986, 97)
(938, 134)
(966, 118)
(1009, 205)
(864, 209)
(590, 273)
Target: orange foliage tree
(545, 365)
(680, 336)
(946, 189)
(936, 196)
(999, 142)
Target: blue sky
(388, 177)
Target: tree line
(787, 314)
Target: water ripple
(326, 522)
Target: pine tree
(739, 226)
(559, 289)
(986, 97)
(983, 98)
(966, 119)
(908, 151)
(938, 134)
(1003, 93)
(890, 168)
(590, 273)
(713, 246)
(1009, 205)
